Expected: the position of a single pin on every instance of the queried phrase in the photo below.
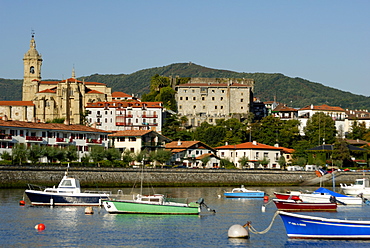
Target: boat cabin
(363, 182)
(69, 185)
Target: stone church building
(44, 101)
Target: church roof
(16, 103)
(47, 91)
(120, 94)
(94, 92)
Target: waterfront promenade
(20, 176)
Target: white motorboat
(68, 193)
(361, 187)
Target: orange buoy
(22, 203)
(40, 227)
(266, 198)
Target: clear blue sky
(324, 41)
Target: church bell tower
(32, 72)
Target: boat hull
(292, 206)
(307, 227)
(41, 198)
(317, 198)
(244, 194)
(285, 196)
(131, 207)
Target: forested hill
(296, 92)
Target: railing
(93, 141)
(5, 137)
(33, 138)
(60, 140)
(152, 144)
(124, 123)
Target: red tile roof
(126, 133)
(70, 80)
(16, 103)
(47, 91)
(248, 145)
(120, 94)
(322, 107)
(51, 126)
(94, 92)
(187, 145)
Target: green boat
(153, 204)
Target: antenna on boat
(67, 169)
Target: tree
(358, 130)
(71, 153)
(167, 96)
(162, 156)
(6, 156)
(282, 162)
(112, 154)
(34, 153)
(127, 157)
(97, 154)
(340, 152)
(320, 129)
(243, 161)
(205, 161)
(264, 162)
(19, 153)
(60, 155)
(50, 153)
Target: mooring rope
(253, 230)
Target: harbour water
(71, 227)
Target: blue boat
(300, 226)
(244, 193)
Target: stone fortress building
(209, 99)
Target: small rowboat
(300, 226)
(297, 206)
(244, 193)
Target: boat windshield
(66, 183)
(359, 182)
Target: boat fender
(40, 227)
(22, 203)
(238, 231)
(89, 210)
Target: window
(180, 106)
(221, 98)
(222, 91)
(257, 155)
(213, 98)
(265, 155)
(186, 98)
(222, 107)
(194, 107)
(241, 100)
(216, 107)
(204, 107)
(222, 154)
(180, 98)
(203, 98)
(194, 98)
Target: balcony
(33, 139)
(5, 137)
(61, 140)
(93, 141)
(152, 144)
(149, 116)
(124, 124)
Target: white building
(120, 115)
(190, 154)
(50, 134)
(254, 151)
(137, 140)
(336, 113)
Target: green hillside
(296, 92)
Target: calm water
(70, 227)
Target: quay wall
(20, 176)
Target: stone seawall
(19, 177)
